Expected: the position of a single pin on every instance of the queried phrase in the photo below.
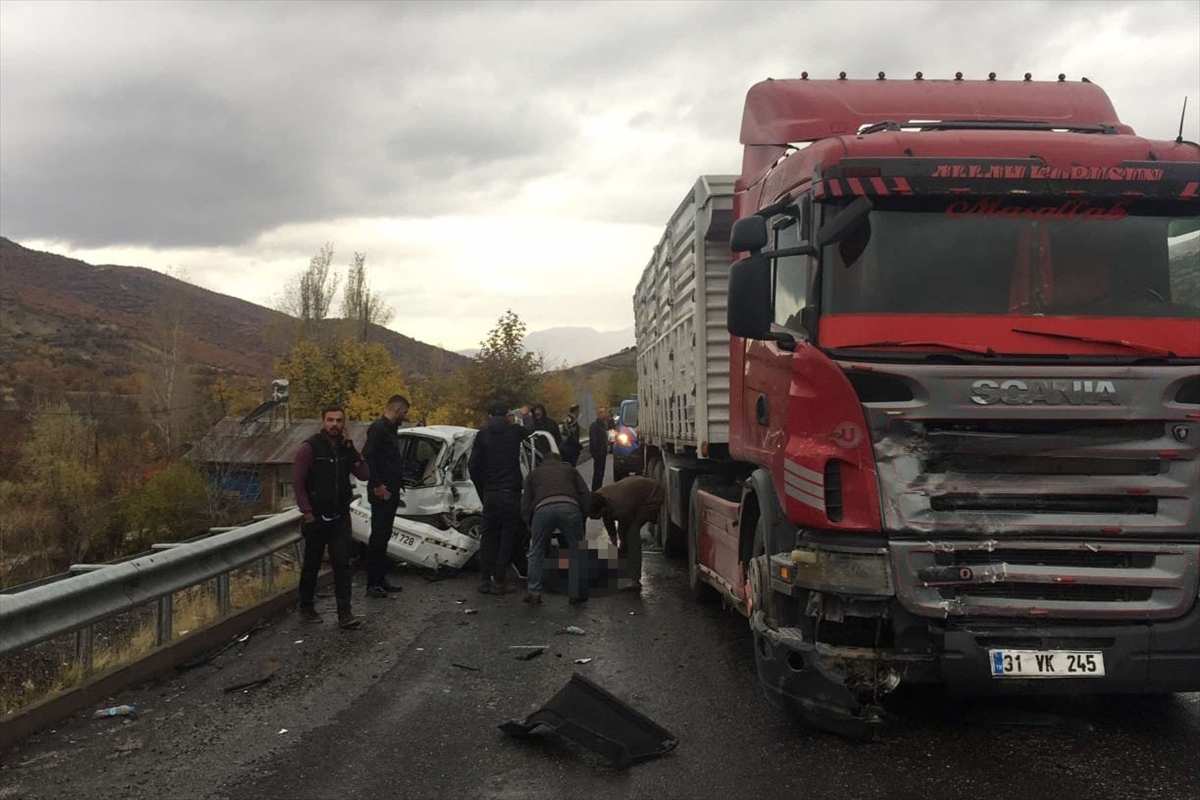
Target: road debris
(592, 717)
(282, 731)
(574, 630)
(266, 669)
(464, 666)
(470, 611)
(528, 654)
(298, 641)
(584, 660)
(116, 711)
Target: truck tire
(758, 586)
(671, 537)
(700, 591)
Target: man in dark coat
(625, 506)
(321, 479)
(554, 498)
(382, 453)
(598, 446)
(495, 467)
(541, 422)
(571, 447)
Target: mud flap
(796, 678)
(590, 716)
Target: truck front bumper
(838, 688)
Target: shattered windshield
(1017, 256)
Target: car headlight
(623, 438)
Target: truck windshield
(1017, 256)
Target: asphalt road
(383, 712)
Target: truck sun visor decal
(1066, 209)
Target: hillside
(89, 325)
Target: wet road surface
(384, 712)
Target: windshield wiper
(966, 348)
(1141, 348)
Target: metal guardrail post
(83, 648)
(268, 571)
(164, 620)
(223, 595)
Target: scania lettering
(1052, 392)
(923, 394)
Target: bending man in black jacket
(382, 453)
(495, 467)
(321, 479)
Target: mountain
(577, 345)
(80, 326)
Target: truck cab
(963, 397)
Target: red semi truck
(938, 423)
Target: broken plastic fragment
(470, 611)
(298, 641)
(575, 630)
(281, 731)
(583, 661)
(243, 638)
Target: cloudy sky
(485, 156)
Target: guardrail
(78, 602)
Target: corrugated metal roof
(264, 441)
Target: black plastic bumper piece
(796, 678)
(592, 717)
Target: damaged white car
(439, 521)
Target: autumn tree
(360, 376)
(171, 505)
(503, 369)
(556, 393)
(168, 379)
(308, 297)
(361, 304)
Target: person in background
(382, 453)
(541, 422)
(553, 498)
(495, 468)
(321, 476)
(571, 448)
(625, 506)
(598, 446)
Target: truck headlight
(848, 571)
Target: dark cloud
(198, 124)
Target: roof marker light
(958, 76)
(1085, 80)
(841, 76)
(881, 76)
(991, 76)
(919, 76)
(1028, 76)
(1061, 77)
(803, 76)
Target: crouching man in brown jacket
(553, 497)
(629, 503)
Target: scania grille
(1056, 477)
(1063, 580)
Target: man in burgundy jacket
(321, 479)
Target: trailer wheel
(670, 536)
(700, 590)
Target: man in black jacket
(598, 446)
(570, 436)
(382, 453)
(495, 467)
(321, 479)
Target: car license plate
(1046, 664)
(406, 540)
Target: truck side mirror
(748, 235)
(749, 310)
(845, 222)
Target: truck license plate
(1046, 664)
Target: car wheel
(472, 526)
